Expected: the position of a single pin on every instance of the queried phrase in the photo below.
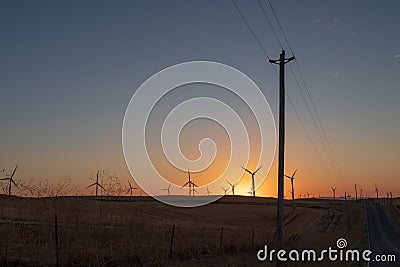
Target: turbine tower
(291, 181)
(376, 192)
(355, 188)
(252, 179)
(11, 180)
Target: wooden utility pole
(347, 210)
(281, 157)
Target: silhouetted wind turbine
(208, 191)
(225, 190)
(252, 178)
(334, 193)
(130, 190)
(168, 189)
(11, 180)
(233, 187)
(193, 188)
(189, 183)
(97, 184)
(376, 192)
(355, 188)
(291, 181)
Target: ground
(136, 231)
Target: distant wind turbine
(11, 180)
(291, 181)
(233, 187)
(376, 192)
(334, 193)
(168, 189)
(194, 189)
(208, 191)
(225, 190)
(130, 190)
(97, 184)
(189, 183)
(355, 188)
(252, 179)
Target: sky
(69, 69)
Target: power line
(270, 24)
(335, 163)
(280, 27)
(251, 30)
(298, 84)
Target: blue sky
(68, 70)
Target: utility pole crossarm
(286, 60)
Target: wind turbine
(233, 187)
(225, 190)
(130, 190)
(208, 191)
(291, 181)
(355, 188)
(252, 178)
(11, 180)
(189, 183)
(97, 184)
(194, 189)
(168, 189)
(334, 193)
(376, 192)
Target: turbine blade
(4, 179)
(12, 175)
(102, 187)
(246, 170)
(230, 184)
(14, 183)
(257, 169)
(294, 173)
(129, 184)
(185, 184)
(90, 185)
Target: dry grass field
(136, 231)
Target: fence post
(347, 210)
(252, 240)
(222, 236)
(172, 240)
(56, 240)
